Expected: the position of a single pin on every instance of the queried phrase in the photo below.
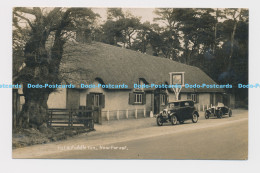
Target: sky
(146, 14)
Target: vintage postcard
(130, 83)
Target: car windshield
(173, 105)
(180, 104)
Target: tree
(115, 14)
(171, 46)
(155, 39)
(219, 15)
(120, 27)
(236, 16)
(142, 38)
(41, 65)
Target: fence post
(126, 114)
(144, 112)
(71, 120)
(117, 115)
(100, 116)
(95, 118)
(86, 114)
(69, 123)
(51, 120)
(91, 126)
(151, 114)
(135, 113)
(203, 108)
(108, 115)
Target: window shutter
(131, 98)
(90, 100)
(102, 100)
(197, 98)
(144, 98)
(188, 96)
(166, 99)
(211, 98)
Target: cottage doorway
(160, 100)
(96, 101)
(156, 103)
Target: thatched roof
(83, 63)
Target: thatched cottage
(98, 63)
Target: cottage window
(139, 84)
(138, 98)
(96, 99)
(194, 97)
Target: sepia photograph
(130, 83)
(129, 86)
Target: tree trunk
(215, 32)
(41, 68)
(232, 39)
(34, 111)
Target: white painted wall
(204, 98)
(172, 96)
(115, 99)
(57, 99)
(183, 96)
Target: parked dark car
(178, 111)
(218, 111)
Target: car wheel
(195, 118)
(159, 121)
(174, 120)
(206, 115)
(230, 113)
(220, 114)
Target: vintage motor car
(218, 111)
(178, 111)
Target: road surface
(225, 138)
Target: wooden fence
(70, 118)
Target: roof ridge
(130, 50)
